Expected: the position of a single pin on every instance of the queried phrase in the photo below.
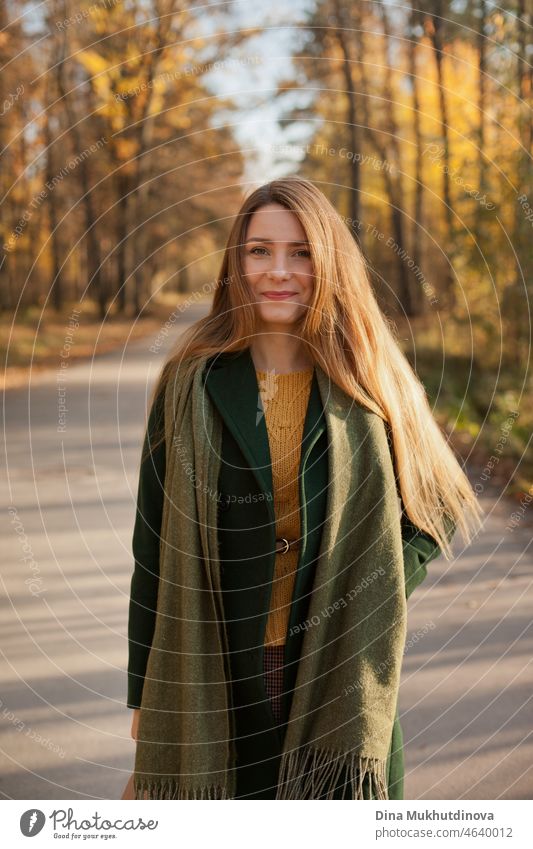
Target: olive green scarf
(344, 702)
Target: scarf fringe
(310, 773)
(171, 789)
(307, 773)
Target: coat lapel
(232, 384)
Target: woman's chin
(278, 313)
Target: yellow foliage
(93, 62)
(125, 148)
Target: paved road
(467, 688)
(466, 696)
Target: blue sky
(266, 59)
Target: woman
(283, 520)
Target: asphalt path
(68, 505)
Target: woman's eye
(301, 252)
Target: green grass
(474, 400)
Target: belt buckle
(286, 545)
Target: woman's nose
(278, 270)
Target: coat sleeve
(145, 548)
(419, 548)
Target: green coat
(246, 533)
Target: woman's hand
(129, 790)
(135, 723)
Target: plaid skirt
(273, 676)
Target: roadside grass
(32, 341)
(483, 403)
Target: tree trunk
(95, 279)
(396, 192)
(389, 154)
(144, 134)
(434, 27)
(57, 280)
(419, 187)
(482, 94)
(353, 128)
(122, 237)
(520, 292)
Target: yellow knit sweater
(284, 399)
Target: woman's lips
(277, 296)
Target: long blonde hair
(345, 332)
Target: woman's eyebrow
(261, 239)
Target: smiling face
(277, 266)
